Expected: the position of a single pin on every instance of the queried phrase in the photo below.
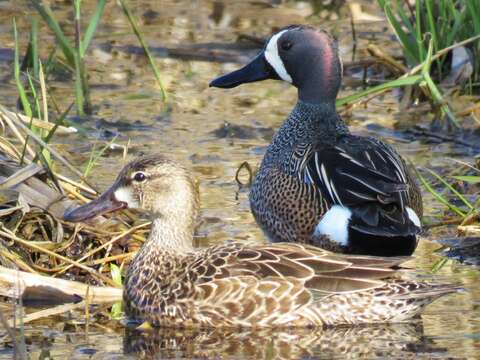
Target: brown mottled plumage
(169, 283)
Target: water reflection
(404, 340)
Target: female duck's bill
(106, 203)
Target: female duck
(169, 283)
(318, 179)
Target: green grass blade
(410, 80)
(418, 32)
(432, 28)
(434, 91)
(38, 110)
(405, 19)
(58, 121)
(47, 15)
(92, 26)
(458, 18)
(77, 21)
(451, 188)
(34, 43)
(151, 60)
(471, 179)
(439, 196)
(408, 46)
(438, 265)
(21, 90)
(79, 94)
(95, 156)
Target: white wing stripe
(325, 181)
(307, 174)
(365, 184)
(335, 192)
(361, 196)
(395, 163)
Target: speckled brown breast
(286, 209)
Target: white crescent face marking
(125, 195)
(413, 217)
(273, 58)
(335, 224)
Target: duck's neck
(171, 236)
(308, 124)
(319, 89)
(317, 118)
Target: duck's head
(154, 184)
(303, 56)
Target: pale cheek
(273, 58)
(127, 196)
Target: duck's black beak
(104, 204)
(258, 69)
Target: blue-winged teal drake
(316, 178)
(170, 283)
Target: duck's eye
(139, 177)
(286, 45)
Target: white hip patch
(413, 217)
(335, 224)
(273, 58)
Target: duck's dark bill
(102, 205)
(258, 69)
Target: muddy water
(214, 131)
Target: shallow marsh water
(214, 131)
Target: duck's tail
(396, 301)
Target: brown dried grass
(33, 198)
